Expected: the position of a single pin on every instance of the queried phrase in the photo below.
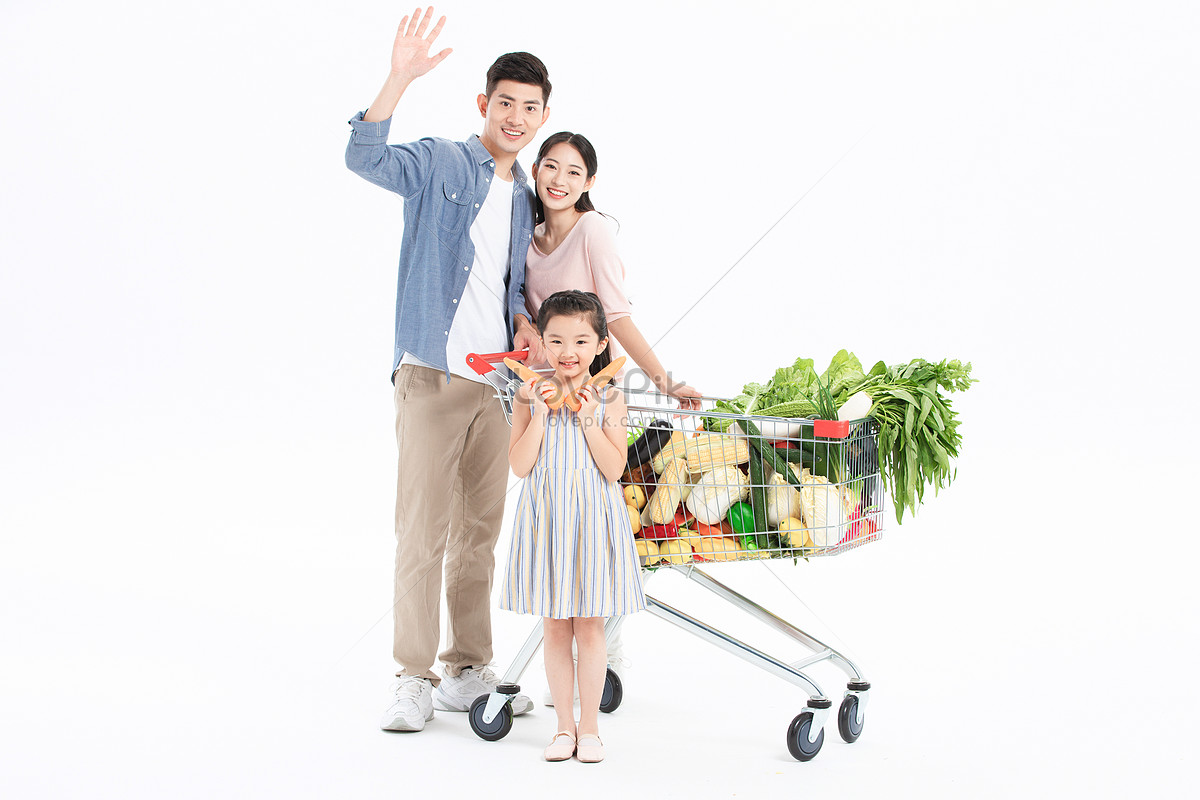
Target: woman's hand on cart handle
(688, 397)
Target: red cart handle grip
(483, 363)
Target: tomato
(722, 529)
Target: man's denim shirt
(443, 184)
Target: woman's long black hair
(574, 303)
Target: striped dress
(572, 552)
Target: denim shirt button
(455, 300)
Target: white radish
(856, 406)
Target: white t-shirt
(479, 322)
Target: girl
(572, 560)
(573, 248)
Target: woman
(573, 248)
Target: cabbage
(827, 509)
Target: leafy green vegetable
(826, 407)
(843, 372)
(918, 434)
(789, 393)
(791, 383)
(634, 432)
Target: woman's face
(561, 177)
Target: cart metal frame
(491, 714)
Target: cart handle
(483, 363)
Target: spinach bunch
(918, 434)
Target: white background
(197, 464)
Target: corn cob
(674, 448)
(710, 450)
(668, 495)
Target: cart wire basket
(705, 486)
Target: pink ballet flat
(561, 747)
(590, 749)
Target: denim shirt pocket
(453, 206)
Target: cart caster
(492, 731)
(798, 742)
(611, 698)
(849, 725)
(851, 714)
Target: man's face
(511, 116)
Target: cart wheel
(797, 738)
(492, 731)
(610, 700)
(848, 725)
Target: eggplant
(646, 446)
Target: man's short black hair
(522, 68)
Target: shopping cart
(712, 486)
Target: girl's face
(561, 177)
(571, 345)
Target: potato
(675, 551)
(718, 548)
(793, 533)
(647, 552)
(635, 518)
(635, 496)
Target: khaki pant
(451, 479)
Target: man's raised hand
(410, 51)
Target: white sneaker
(456, 693)
(412, 704)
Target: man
(468, 221)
